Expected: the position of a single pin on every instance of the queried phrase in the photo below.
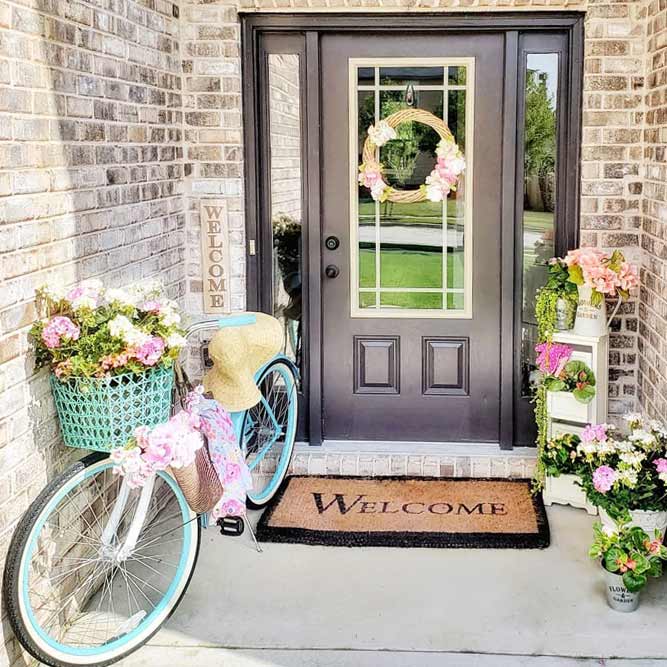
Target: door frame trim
(311, 25)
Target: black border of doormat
(539, 540)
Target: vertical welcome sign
(216, 266)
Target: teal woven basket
(102, 413)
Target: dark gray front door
(411, 312)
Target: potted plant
(569, 384)
(628, 557)
(110, 353)
(564, 390)
(560, 461)
(627, 477)
(598, 274)
(556, 303)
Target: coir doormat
(406, 512)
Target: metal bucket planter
(102, 413)
(619, 598)
(591, 319)
(648, 520)
(566, 311)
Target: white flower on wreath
(381, 133)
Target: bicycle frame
(238, 420)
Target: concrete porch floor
(301, 606)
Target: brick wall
(653, 306)
(90, 186)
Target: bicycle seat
(243, 344)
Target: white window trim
(396, 312)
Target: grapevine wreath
(440, 182)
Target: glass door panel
(411, 256)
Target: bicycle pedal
(231, 525)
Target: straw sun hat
(238, 350)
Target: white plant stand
(564, 490)
(567, 415)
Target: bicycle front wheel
(269, 430)
(73, 594)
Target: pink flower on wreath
(57, 329)
(372, 179)
(660, 465)
(594, 433)
(446, 169)
(604, 478)
(552, 357)
(150, 352)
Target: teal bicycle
(95, 568)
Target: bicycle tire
(261, 499)
(11, 577)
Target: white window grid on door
(355, 64)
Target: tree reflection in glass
(541, 98)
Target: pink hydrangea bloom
(150, 352)
(552, 357)
(586, 257)
(660, 465)
(604, 478)
(627, 277)
(601, 278)
(594, 433)
(57, 329)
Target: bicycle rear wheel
(268, 431)
(73, 596)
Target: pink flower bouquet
(605, 274)
(90, 331)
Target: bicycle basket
(199, 481)
(102, 413)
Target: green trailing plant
(558, 372)
(542, 420)
(629, 552)
(558, 286)
(561, 456)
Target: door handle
(332, 271)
